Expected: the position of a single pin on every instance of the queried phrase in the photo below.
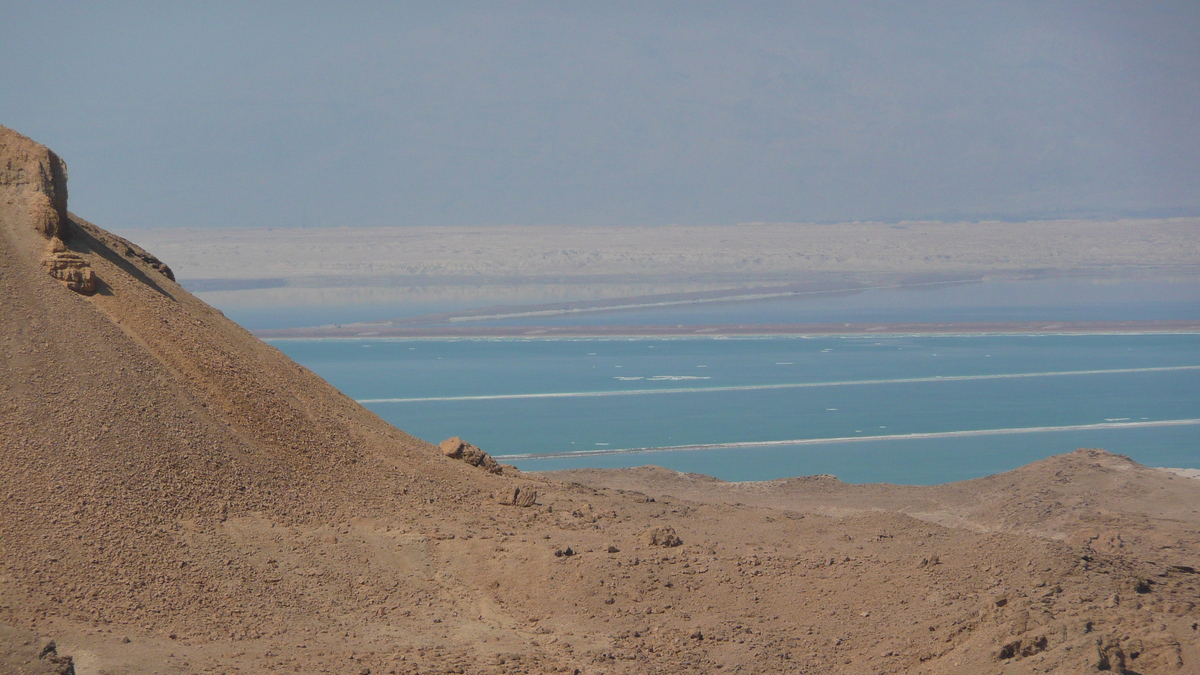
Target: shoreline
(357, 332)
(838, 440)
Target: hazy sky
(204, 114)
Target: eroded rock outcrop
(519, 496)
(70, 268)
(31, 173)
(132, 250)
(34, 179)
(457, 448)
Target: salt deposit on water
(986, 404)
(795, 385)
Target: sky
(292, 114)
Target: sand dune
(180, 497)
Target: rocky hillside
(179, 497)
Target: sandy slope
(179, 497)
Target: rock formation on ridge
(34, 180)
(457, 448)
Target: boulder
(518, 496)
(71, 269)
(662, 536)
(457, 448)
(452, 447)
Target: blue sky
(293, 114)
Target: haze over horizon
(622, 114)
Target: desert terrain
(546, 265)
(759, 251)
(179, 497)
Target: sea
(905, 409)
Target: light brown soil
(178, 497)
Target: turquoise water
(986, 400)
